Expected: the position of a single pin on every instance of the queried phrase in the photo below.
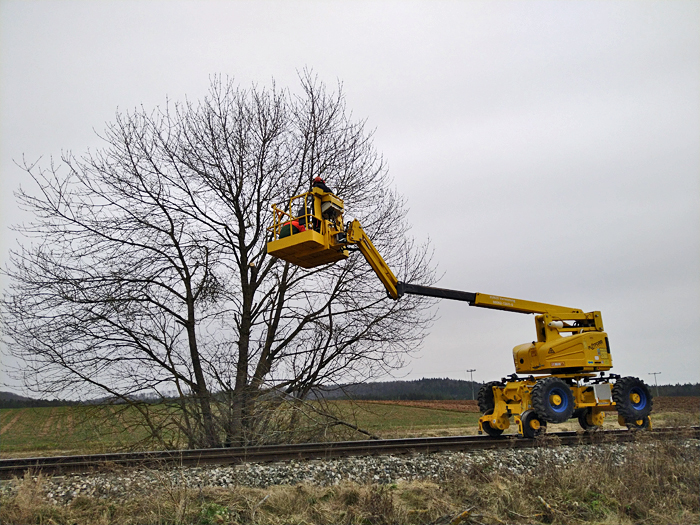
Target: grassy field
(80, 429)
(389, 420)
(49, 429)
(668, 412)
(83, 429)
(68, 430)
(656, 483)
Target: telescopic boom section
(357, 236)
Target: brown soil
(455, 405)
(12, 421)
(687, 404)
(49, 424)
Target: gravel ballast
(123, 484)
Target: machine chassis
(532, 402)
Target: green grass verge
(97, 429)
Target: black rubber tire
(634, 425)
(493, 432)
(546, 411)
(529, 432)
(485, 397)
(583, 420)
(628, 409)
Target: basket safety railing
(301, 222)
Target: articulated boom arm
(315, 236)
(355, 235)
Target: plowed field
(686, 404)
(456, 405)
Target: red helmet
(319, 179)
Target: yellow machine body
(587, 352)
(585, 349)
(571, 346)
(514, 399)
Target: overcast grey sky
(549, 150)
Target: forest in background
(419, 389)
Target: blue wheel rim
(642, 398)
(563, 405)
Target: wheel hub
(635, 398)
(555, 399)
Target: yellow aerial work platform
(571, 345)
(309, 236)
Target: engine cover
(586, 352)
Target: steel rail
(303, 451)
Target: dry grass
(656, 483)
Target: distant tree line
(420, 389)
(686, 389)
(441, 389)
(408, 390)
(34, 403)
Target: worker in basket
(292, 227)
(299, 224)
(318, 182)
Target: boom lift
(563, 371)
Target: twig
(463, 517)
(523, 516)
(547, 506)
(256, 507)
(338, 421)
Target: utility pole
(655, 383)
(471, 379)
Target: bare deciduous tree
(147, 272)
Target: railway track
(303, 451)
